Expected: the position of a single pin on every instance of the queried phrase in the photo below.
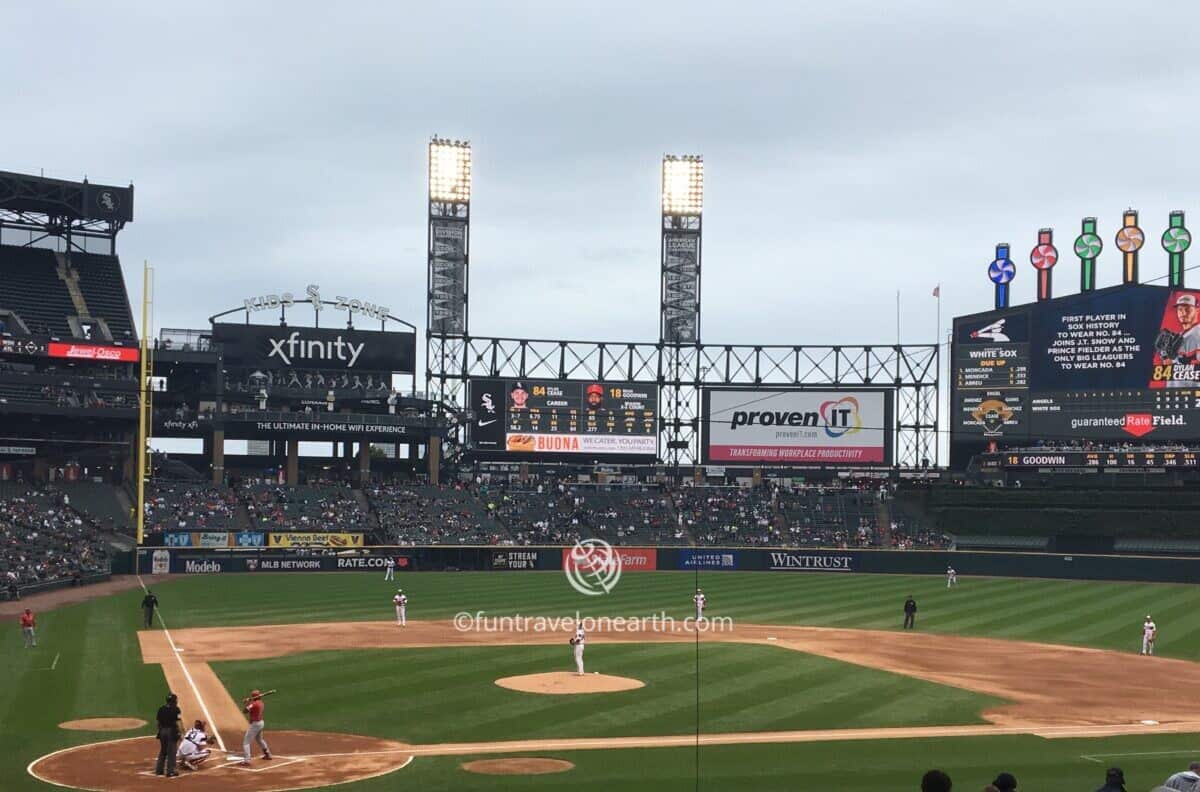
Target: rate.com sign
(798, 427)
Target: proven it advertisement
(819, 427)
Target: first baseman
(401, 603)
(578, 643)
(1149, 630)
(253, 707)
(700, 601)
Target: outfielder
(699, 600)
(28, 623)
(253, 707)
(389, 564)
(401, 603)
(193, 749)
(951, 577)
(1149, 630)
(578, 643)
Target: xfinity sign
(295, 348)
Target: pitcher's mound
(527, 765)
(103, 724)
(561, 682)
(302, 760)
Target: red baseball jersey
(27, 620)
(256, 711)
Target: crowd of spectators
(190, 506)
(330, 507)
(44, 540)
(728, 515)
(412, 514)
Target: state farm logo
(1138, 424)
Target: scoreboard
(1117, 364)
(551, 417)
(1029, 460)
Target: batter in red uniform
(253, 707)
(28, 622)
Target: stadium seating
(103, 289)
(43, 541)
(191, 506)
(421, 514)
(273, 507)
(30, 287)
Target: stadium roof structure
(39, 207)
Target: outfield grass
(446, 694)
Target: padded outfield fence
(1157, 569)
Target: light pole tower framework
(679, 308)
(446, 316)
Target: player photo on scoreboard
(1178, 343)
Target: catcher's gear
(1167, 344)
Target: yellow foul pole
(144, 406)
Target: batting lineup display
(534, 417)
(1117, 363)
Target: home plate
(772, 638)
(1149, 723)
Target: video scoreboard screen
(540, 417)
(1115, 364)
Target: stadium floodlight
(682, 185)
(449, 170)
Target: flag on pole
(937, 290)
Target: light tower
(679, 309)
(448, 257)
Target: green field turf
(426, 695)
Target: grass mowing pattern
(100, 672)
(449, 695)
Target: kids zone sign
(797, 427)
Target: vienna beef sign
(783, 561)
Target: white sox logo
(300, 349)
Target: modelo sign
(798, 427)
(286, 347)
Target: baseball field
(811, 686)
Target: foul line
(1099, 758)
(187, 674)
(54, 665)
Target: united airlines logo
(841, 417)
(992, 332)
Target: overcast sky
(852, 149)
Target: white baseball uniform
(951, 577)
(389, 569)
(1149, 630)
(580, 640)
(193, 747)
(401, 603)
(699, 599)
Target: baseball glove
(1167, 344)
(571, 641)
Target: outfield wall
(648, 559)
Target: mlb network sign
(793, 427)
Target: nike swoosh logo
(487, 423)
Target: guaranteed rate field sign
(798, 427)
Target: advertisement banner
(299, 539)
(177, 539)
(211, 539)
(308, 348)
(404, 563)
(447, 276)
(633, 559)
(789, 427)
(528, 418)
(681, 287)
(250, 539)
(795, 561)
(110, 354)
(708, 559)
(160, 562)
(283, 564)
(514, 559)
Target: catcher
(193, 748)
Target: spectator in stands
(1185, 780)
(936, 781)
(1114, 781)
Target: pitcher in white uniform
(1149, 630)
(578, 643)
(401, 603)
(700, 600)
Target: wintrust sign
(295, 348)
(811, 562)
